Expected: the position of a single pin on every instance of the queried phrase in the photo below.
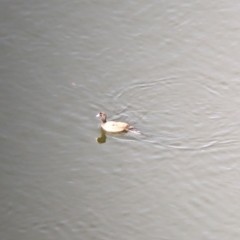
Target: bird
(112, 126)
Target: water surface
(170, 69)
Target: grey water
(171, 69)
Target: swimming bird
(112, 126)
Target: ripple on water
(181, 113)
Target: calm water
(170, 69)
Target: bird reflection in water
(102, 138)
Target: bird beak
(98, 115)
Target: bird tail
(134, 131)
